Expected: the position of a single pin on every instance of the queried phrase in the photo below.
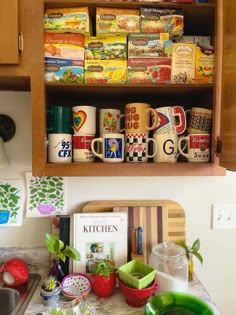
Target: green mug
(59, 119)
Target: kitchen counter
(116, 305)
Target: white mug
(112, 147)
(110, 120)
(84, 119)
(82, 148)
(167, 147)
(59, 148)
(198, 148)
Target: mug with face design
(84, 119)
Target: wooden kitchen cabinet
(200, 19)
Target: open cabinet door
(228, 84)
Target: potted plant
(103, 279)
(50, 290)
(59, 252)
(9, 202)
(190, 252)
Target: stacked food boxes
(64, 43)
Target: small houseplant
(50, 289)
(60, 252)
(103, 279)
(190, 252)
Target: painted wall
(195, 194)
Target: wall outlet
(224, 217)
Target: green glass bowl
(176, 303)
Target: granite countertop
(116, 305)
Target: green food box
(137, 274)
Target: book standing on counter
(99, 237)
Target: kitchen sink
(14, 300)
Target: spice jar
(171, 264)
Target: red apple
(14, 272)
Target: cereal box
(105, 71)
(205, 60)
(105, 47)
(162, 20)
(115, 21)
(74, 20)
(149, 70)
(64, 70)
(183, 63)
(149, 45)
(64, 45)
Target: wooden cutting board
(161, 220)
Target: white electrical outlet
(224, 217)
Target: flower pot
(50, 297)
(4, 216)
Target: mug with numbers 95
(59, 148)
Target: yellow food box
(105, 71)
(74, 20)
(115, 21)
(205, 64)
(183, 63)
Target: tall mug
(84, 119)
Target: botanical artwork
(11, 203)
(45, 196)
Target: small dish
(76, 285)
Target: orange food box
(205, 64)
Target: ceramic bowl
(76, 285)
(137, 297)
(176, 303)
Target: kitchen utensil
(76, 285)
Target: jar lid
(168, 250)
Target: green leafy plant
(9, 199)
(59, 250)
(103, 269)
(193, 250)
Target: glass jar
(171, 264)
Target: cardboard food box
(75, 20)
(149, 70)
(149, 45)
(64, 46)
(64, 70)
(162, 20)
(115, 21)
(105, 48)
(183, 63)
(205, 64)
(105, 71)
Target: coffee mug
(137, 147)
(84, 119)
(59, 119)
(112, 147)
(110, 120)
(138, 118)
(82, 148)
(167, 147)
(171, 119)
(198, 147)
(59, 148)
(200, 120)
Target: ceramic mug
(59, 119)
(200, 120)
(59, 148)
(84, 119)
(112, 147)
(82, 148)
(171, 119)
(198, 147)
(136, 147)
(167, 147)
(138, 118)
(110, 120)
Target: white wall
(195, 194)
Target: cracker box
(115, 21)
(105, 47)
(183, 63)
(149, 45)
(64, 70)
(74, 20)
(64, 45)
(205, 64)
(162, 20)
(149, 70)
(105, 71)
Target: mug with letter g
(167, 147)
